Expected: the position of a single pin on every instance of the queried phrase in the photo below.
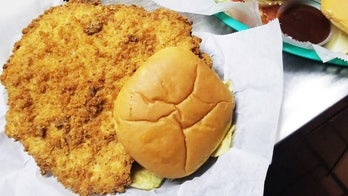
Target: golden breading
(63, 77)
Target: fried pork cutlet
(63, 77)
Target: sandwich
(173, 113)
(335, 11)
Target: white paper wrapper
(206, 7)
(251, 59)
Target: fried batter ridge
(63, 77)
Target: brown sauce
(304, 23)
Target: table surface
(310, 88)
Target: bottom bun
(173, 113)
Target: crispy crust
(63, 77)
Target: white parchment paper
(251, 60)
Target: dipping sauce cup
(303, 21)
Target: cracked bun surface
(173, 113)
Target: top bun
(336, 12)
(173, 113)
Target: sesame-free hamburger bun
(336, 12)
(173, 113)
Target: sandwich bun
(173, 113)
(336, 12)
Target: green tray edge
(302, 52)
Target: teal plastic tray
(302, 52)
